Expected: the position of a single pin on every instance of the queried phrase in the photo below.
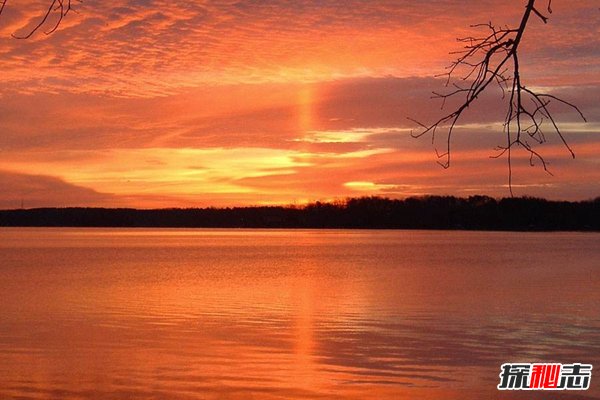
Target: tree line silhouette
(429, 212)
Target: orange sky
(146, 104)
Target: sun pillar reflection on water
(304, 364)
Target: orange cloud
(152, 48)
(149, 104)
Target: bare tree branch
(51, 18)
(2, 6)
(493, 58)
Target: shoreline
(476, 213)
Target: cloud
(243, 102)
(291, 116)
(153, 48)
(279, 143)
(183, 173)
(32, 191)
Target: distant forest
(429, 212)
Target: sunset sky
(147, 103)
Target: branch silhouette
(493, 59)
(50, 19)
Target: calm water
(269, 314)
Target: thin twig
(55, 13)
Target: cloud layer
(149, 48)
(150, 104)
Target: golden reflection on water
(232, 314)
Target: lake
(291, 314)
